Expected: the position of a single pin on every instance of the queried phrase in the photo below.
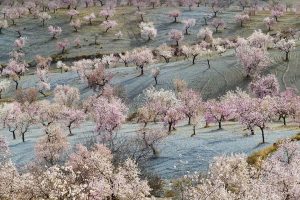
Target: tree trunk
(23, 136)
(142, 70)
(194, 131)
(220, 124)
(286, 56)
(189, 123)
(194, 58)
(155, 78)
(70, 131)
(262, 134)
(284, 121)
(175, 19)
(252, 131)
(177, 43)
(170, 127)
(208, 63)
(17, 84)
(14, 134)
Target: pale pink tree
(43, 80)
(55, 31)
(277, 11)
(12, 14)
(206, 35)
(14, 70)
(88, 2)
(52, 146)
(76, 24)
(254, 60)
(20, 43)
(107, 12)
(175, 14)
(72, 118)
(53, 5)
(218, 24)
(260, 40)
(109, 24)
(155, 73)
(193, 51)
(286, 46)
(264, 86)
(216, 7)
(191, 102)
(142, 57)
(243, 4)
(188, 23)
(172, 115)
(62, 45)
(108, 115)
(217, 111)
(189, 3)
(165, 51)
(242, 18)
(148, 31)
(66, 96)
(72, 13)
(270, 22)
(176, 35)
(285, 104)
(90, 18)
(44, 16)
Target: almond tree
(216, 7)
(172, 115)
(62, 45)
(109, 24)
(15, 68)
(260, 40)
(76, 24)
(108, 115)
(176, 35)
(254, 60)
(217, 111)
(54, 31)
(193, 51)
(44, 16)
(270, 22)
(264, 86)
(242, 18)
(189, 23)
(175, 14)
(52, 146)
(191, 102)
(72, 13)
(67, 96)
(218, 24)
(43, 82)
(148, 31)
(72, 118)
(155, 73)
(205, 34)
(285, 105)
(286, 46)
(165, 51)
(90, 18)
(277, 11)
(189, 3)
(107, 12)
(142, 57)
